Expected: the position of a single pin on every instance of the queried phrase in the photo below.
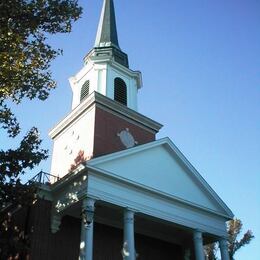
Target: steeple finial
(107, 32)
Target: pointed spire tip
(107, 31)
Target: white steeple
(106, 68)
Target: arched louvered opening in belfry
(120, 91)
(84, 90)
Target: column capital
(223, 242)
(197, 234)
(129, 215)
(88, 209)
(130, 209)
(88, 202)
(198, 231)
(222, 239)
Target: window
(120, 91)
(84, 90)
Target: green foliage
(234, 243)
(13, 163)
(25, 59)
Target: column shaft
(198, 245)
(129, 241)
(89, 242)
(82, 241)
(86, 243)
(224, 249)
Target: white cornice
(72, 116)
(136, 74)
(96, 98)
(162, 194)
(109, 60)
(127, 112)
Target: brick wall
(107, 126)
(63, 245)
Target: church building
(121, 193)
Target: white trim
(110, 104)
(145, 188)
(108, 59)
(172, 148)
(154, 205)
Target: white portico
(164, 186)
(154, 182)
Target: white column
(129, 240)
(198, 245)
(224, 249)
(86, 241)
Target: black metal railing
(43, 178)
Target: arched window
(120, 91)
(84, 90)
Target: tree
(25, 59)
(211, 251)
(234, 229)
(234, 243)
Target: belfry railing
(43, 178)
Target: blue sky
(201, 71)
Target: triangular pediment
(161, 167)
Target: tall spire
(106, 44)
(107, 32)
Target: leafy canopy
(25, 56)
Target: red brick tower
(104, 117)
